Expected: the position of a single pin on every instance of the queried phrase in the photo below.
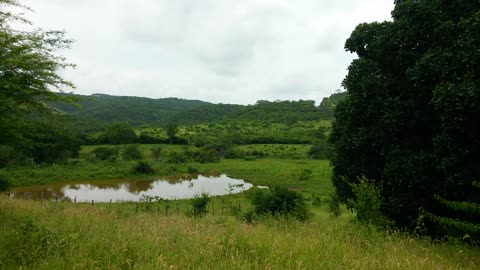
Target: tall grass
(46, 235)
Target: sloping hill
(139, 111)
(98, 109)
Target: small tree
(367, 202)
(171, 131)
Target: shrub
(316, 201)
(319, 149)
(279, 201)
(250, 158)
(156, 153)
(132, 152)
(208, 156)
(367, 201)
(104, 152)
(334, 205)
(177, 157)
(199, 204)
(305, 175)
(192, 170)
(8, 156)
(4, 185)
(143, 167)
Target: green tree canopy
(28, 68)
(410, 119)
(120, 133)
(171, 130)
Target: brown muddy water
(170, 188)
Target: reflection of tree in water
(100, 185)
(136, 187)
(174, 179)
(48, 193)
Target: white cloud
(215, 50)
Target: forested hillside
(136, 111)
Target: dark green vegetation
(138, 111)
(277, 201)
(410, 122)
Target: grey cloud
(216, 50)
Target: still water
(183, 187)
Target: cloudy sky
(224, 51)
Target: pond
(182, 187)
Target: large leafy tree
(28, 69)
(120, 133)
(411, 118)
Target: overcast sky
(226, 51)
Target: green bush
(208, 156)
(143, 167)
(278, 201)
(199, 204)
(4, 185)
(319, 149)
(177, 157)
(367, 202)
(316, 201)
(305, 175)
(156, 153)
(192, 170)
(104, 153)
(132, 152)
(8, 156)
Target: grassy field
(306, 175)
(80, 236)
(48, 235)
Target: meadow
(164, 235)
(80, 236)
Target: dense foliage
(410, 120)
(120, 133)
(278, 201)
(28, 73)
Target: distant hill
(99, 109)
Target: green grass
(267, 171)
(78, 236)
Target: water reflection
(179, 187)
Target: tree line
(410, 121)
